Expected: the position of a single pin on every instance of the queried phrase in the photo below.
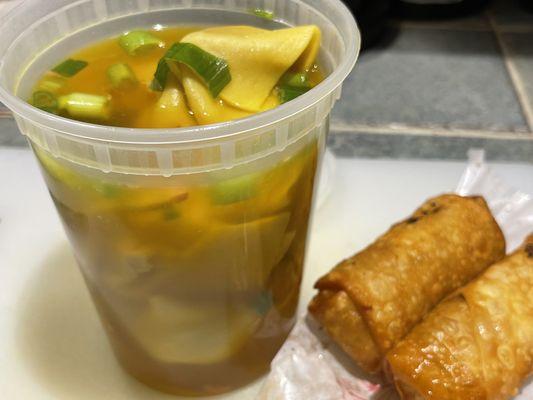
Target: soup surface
(108, 84)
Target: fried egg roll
(370, 301)
(477, 344)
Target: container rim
(137, 136)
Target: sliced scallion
(138, 42)
(70, 67)
(293, 85)
(214, 71)
(121, 75)
(297, 80)
(235, 190)
(45, 101)
(268, 15)
(288, 93)
(51, 84)
(85, 106)
(161, 75)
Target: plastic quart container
(191, 240)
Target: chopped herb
(235, 190)
(288, 93)
(51, 84)
(108, 191)
(85, 106)
(45, 101)
(214, 71)
(121, 75)
(297, 80)
(70, 67)
(161, 73)
(293, 85)
(138, 42)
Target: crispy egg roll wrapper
(370, 301)
(477, 344)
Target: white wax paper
(310, 366)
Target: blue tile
(429, 77)
(520, 46)
(472, 22)
(402, 146)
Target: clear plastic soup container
(191, 241)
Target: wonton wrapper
(370, 301)
(257, 59)
(170, 111)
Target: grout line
(420, 131)
(515, 28)
(457, 26)
(516, 79)
(444, 26)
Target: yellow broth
(197, 289)
(133, 106)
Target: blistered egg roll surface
(477, 344)
(382, 292)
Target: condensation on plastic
(33, 39)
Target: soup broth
(137, 105)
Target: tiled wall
(433, 90)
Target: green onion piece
(107, 190)
(235, 190)
(214, 71)
(296, 80)
(161, 75)
(85, 106)
(70, 67)
(293, 85)
(45, 101)
(121, 75)
(288, 93)
(52, 84)
(138, 42)
(268, 15)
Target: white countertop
(51, 343)
(6, 5)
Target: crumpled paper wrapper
(310, 366)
